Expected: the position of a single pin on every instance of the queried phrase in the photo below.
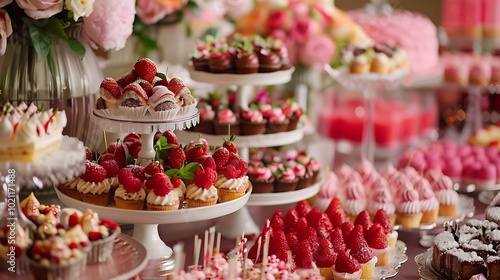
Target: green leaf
(77, 47)
(39, 38)
(191, 167)
(55, 28)
(187, 176)
(148, 44)
(161, 76)
(316, 15)
(172, 173)
(128, 158)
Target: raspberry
(205, 178)
(111, 167)
(162, 186)
(93, 172)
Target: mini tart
(94, 193)
(131, 201)
(230, 189)
(199, 197)
(162, 203)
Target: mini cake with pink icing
(285, 180)
(447, 197)
(354, 199)
(428, 202)
(207, 117)
(381, 198)
(262, 179)
(303, 175)
(252, 122)
(327, 191)
(277, 121)
(162, 105)
(408, 210)
(226, 121)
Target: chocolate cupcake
(246, 62)
(200, 60)
(268, 61)
(282, 52)
(220, 62)
(286, 180)
(252, 122)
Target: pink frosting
(410, 203)
(253, 116)
(388, 171)
(398, 184)
(299, 170)
(266, 110)
(160, 92)
(428, 200)
(447, 197)
(422, 184)
(277, 116)
(226, 116)
(381, 199)
(262, 173)
(303, 157)
(380, 183)
(443, 183)
(328, 188)
(274, 167)
(354, 190)
(314, 165)
(207, 113)
(411, 173)
(287, 174)
(433, 175)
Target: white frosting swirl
(6, 129)
(238, 184)
(172, 198)
(93, 188)
(353, 207)
(447, 197)
(409, 203)
(123, 194)
(196, 193)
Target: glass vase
(62, 80)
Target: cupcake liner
(21, 264)
(292, 123)
(409, 220)
(383, 256)
(153, 207)
(164, 115)
(222, 128)
(368, 269)
(272, 127)
(191, 203)
(326, 272)
(96, 199)
(108, 111)
(285, 186)
(228, 195)
(250, 128)
(347, 276)
(101, 249)
(185, 110)
(68, 271)
(133, 112)
(129, 204)
(392, 238)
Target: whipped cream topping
(299, 170)
(93, 188)
(123, 194)
(354, 190)
(253, 116)
(226, 116)
(329, 187)
(172, 198)
(447, 197)
(443, 183)
(428, 200)
(196, 193)
(353, 207)
(75, 235)
(238, 184)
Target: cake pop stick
(205, 248)
(217, 247)
(259, 243)
(264, 257)
(211, 243)
(197, 248)
(327, 171)
(179, 257)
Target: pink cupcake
(303, 175)
(252, 122)
(381, 198)
(277, 121)
(226, 123)
(428, 202)
(262, 179)
(314, 166)
(408, 211)
(327, 191)
(447, 197)
(207, 117)
(398, 183)
(293, 112)
(285, 180)
(354, 199)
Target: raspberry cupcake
(161, 104)
(252, 122)
(232, 183)
(226, 123)
(346, 267)
(202, 192)
(130, 194)
(101, 234)
(277, 121)
(134, 101)
(285, 181)
(162, 198)
(93, 185)
(262, 179)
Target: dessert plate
(279, 198)
(128, 259)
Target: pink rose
(4, 3)
(5, 30)
(303, 28)
(110, 24)
(299, 8)
(279, 20)
(318, 50)
(152, 11)
(39, 9)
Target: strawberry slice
(109, 224)
(345, 263)
(73, 220)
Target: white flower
(80, 8)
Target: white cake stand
(240, 221)
(146, 127)
(146, 222)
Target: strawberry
(200, 142)
(153, 168)
(163, 186)
(337, 217)
(376, 237)
(355, 237)
(324, 227)
(278, 244)
(205, 178)
(88, 153)
(109, 85)
(127, 78)
(109, 224)
(207, 162)
(124, 174)
(229, 144)
(134, 148)
(325, 256)
(303, 208)
(290, 220)
(157, 137)
(146, 69)
(73, 246)
(277, 221)
(146, 86)
(132, 137)
(382, 219)
(176, 157)
(194, 152)
(304, 256)
(106, 157)
(221, 157)
(95, 235)
(177, 86)
(171, 137)
(337, 239)
(111, 167)
(73, 220)
(301, 228)
(346, 228)
(313, 239)
(363, 254)
(334, 205)
(161, 83)
(364, 220)
(93, 172)
(345, 263)
(137, 171)
(313, 217)
(252, 254)
(293, 241)
(135, 87)
(120, 152)
(132, 184)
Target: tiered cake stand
(240, 221)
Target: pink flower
(4, 3)
(5, 30)
(39, 9)
(303, 28)
(152, 11)
(279, 20)
(238, 8)
(110, 24)
(318, 50)
(300, 9)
